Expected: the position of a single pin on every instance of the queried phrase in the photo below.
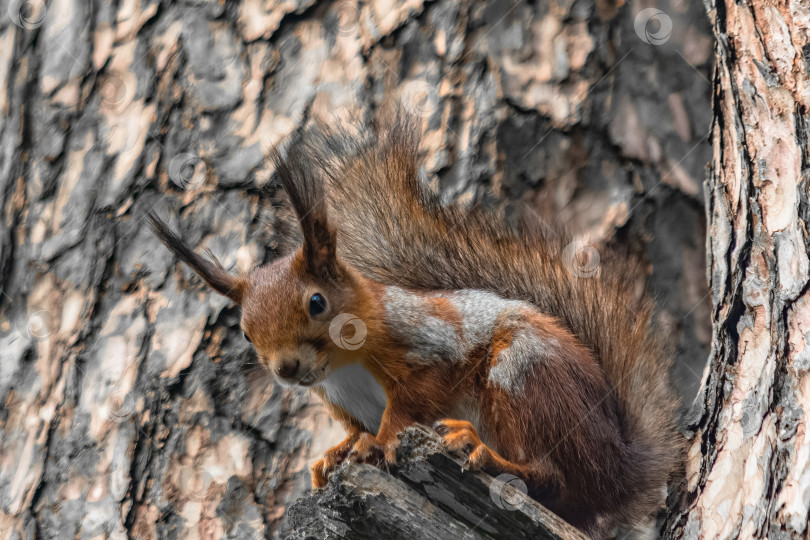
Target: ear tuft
(304, 184)
(207, 268)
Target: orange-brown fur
(590, 427)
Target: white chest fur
(356, 390)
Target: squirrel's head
(293, 309)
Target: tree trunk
(748, 474)
(129, 405)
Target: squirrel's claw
(332, 458)
(368, 450)
(462, 440)
(321, 471)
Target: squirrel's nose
(287, 369)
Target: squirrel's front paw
(321, 471)
(369, 450)
(333, 457)
(461, 439)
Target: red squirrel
(459, 321)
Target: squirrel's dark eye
(246, 337)
(317, 305)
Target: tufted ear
(207, 268)
(305, 187)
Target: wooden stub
(426, 495)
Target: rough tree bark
(748, 470)
(128, 406)
(426, 495)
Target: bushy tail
(394, 229)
